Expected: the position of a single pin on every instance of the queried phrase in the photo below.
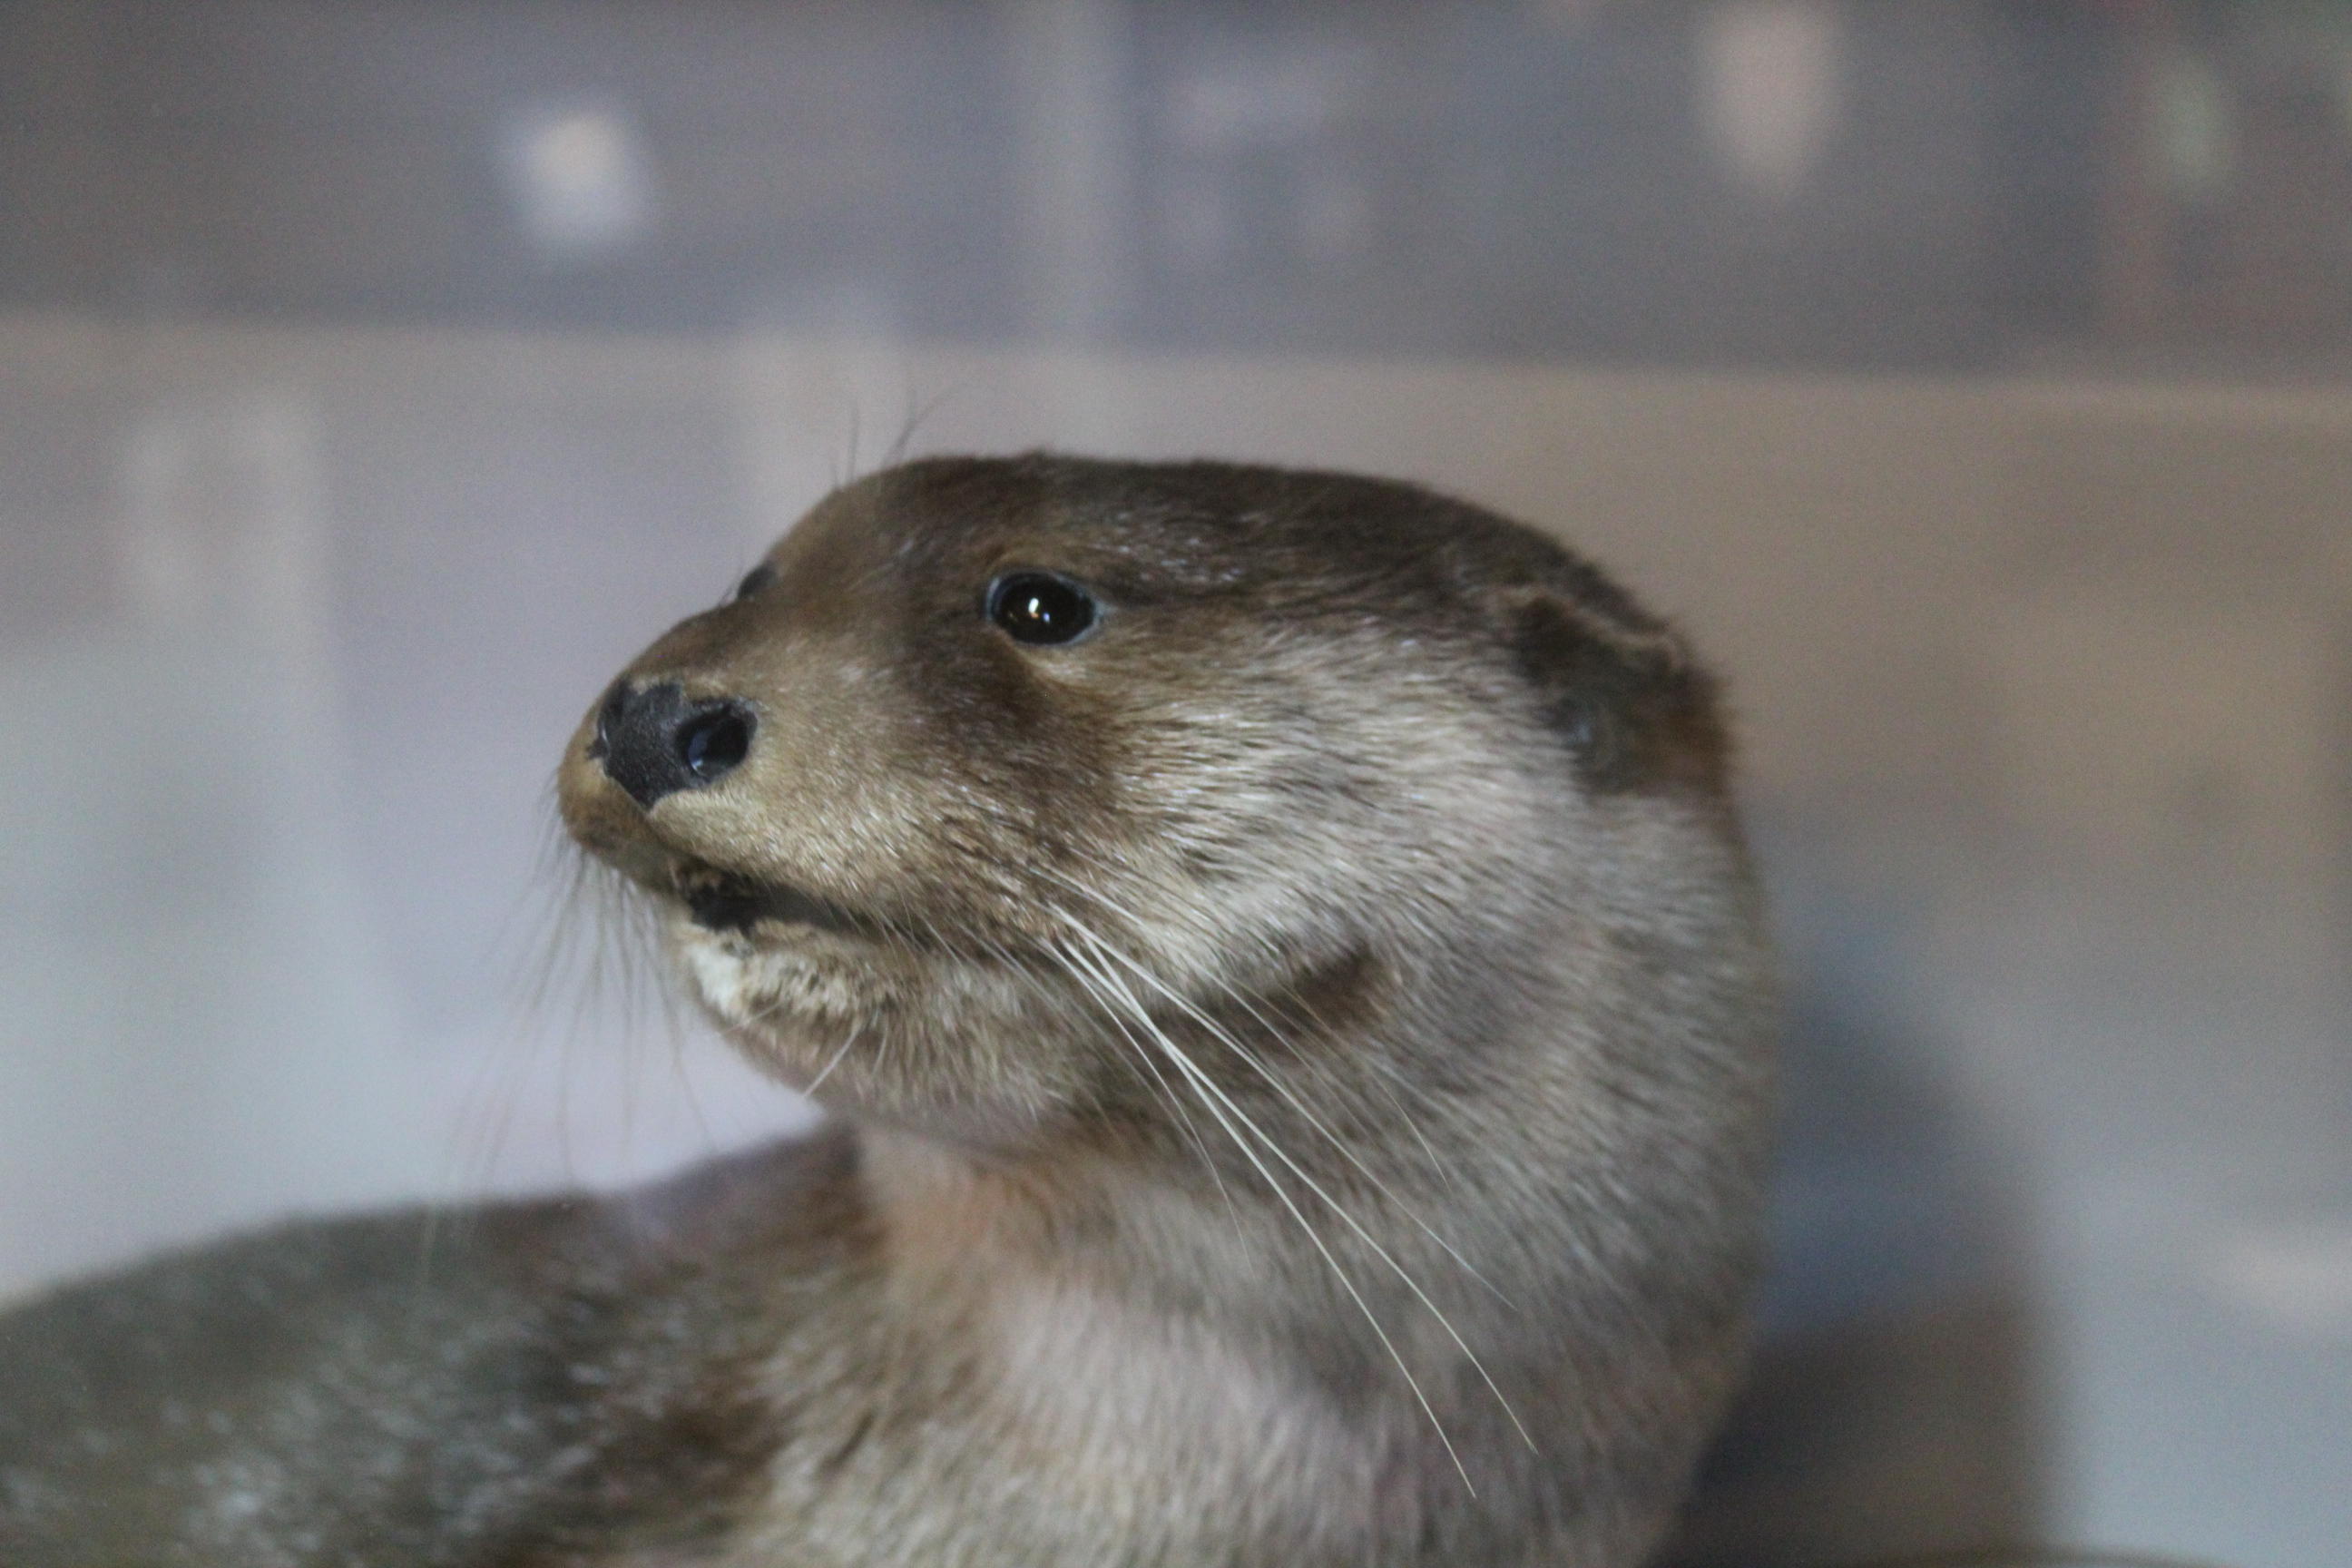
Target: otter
(1291, 1002)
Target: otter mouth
(720, 901)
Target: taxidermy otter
(1292, 1002)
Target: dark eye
(757, 578)
(1039, 607)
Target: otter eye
(1039, 607)
(757, 578)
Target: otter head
(991, 763)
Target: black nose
(653, 741)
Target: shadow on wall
(1888, 1409)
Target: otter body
(1279, 957)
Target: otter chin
(1291, 999)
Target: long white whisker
(1226, 1037)
(1381, 1072)
(1258, 1064)
(1347, 1218)
(1175, 1100)
(827, 1071)
(1337, 1142)
(1212, 1098)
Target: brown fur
(1281, 1046)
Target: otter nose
(653, 741)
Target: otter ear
(1634, 711)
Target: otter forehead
(942, 525)
(1264, 538)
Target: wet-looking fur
(1298, 1058)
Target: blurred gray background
(1974, 380)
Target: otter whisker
(570, 930)
(917, 409)
(1212, 1098)
(1401, 1272)
(1175, 1102)
(1256, 1063)
(827, 1072)
(1137, 922)
(1437, 1167)
(1384, 1078)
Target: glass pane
(1967, 378)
